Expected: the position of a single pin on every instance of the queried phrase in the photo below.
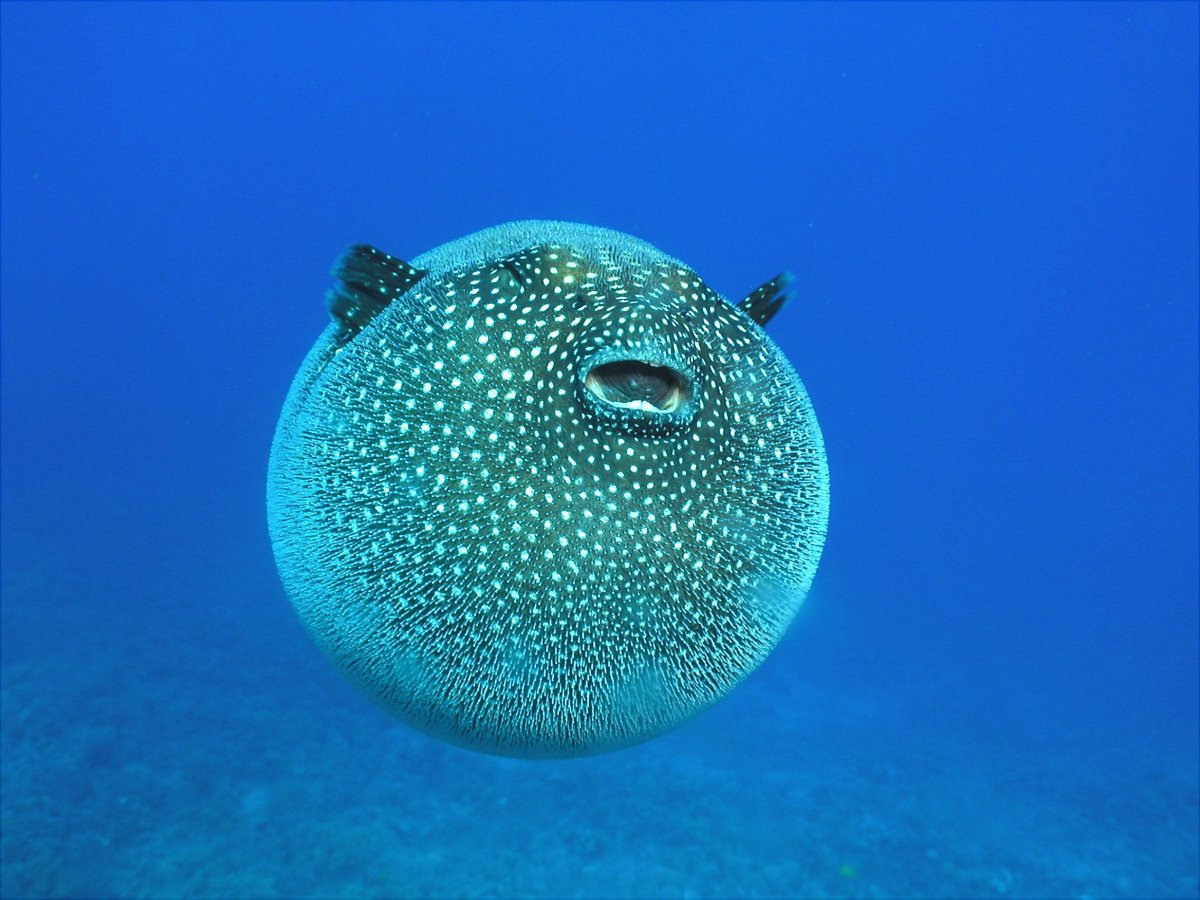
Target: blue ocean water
(992, 212)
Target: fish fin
(368, 280)
(763, 302)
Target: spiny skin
(555, 498)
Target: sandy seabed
(150, 751)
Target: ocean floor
(202, 747)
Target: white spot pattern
(513, 560)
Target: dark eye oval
(507, 278)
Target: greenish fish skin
(542, 492)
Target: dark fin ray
(368, 280)
(762, 303)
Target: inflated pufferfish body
(542, 491)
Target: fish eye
(637, 385)
(509, 278)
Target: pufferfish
(542, 492)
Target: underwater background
(992, 214)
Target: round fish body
(542, 492)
